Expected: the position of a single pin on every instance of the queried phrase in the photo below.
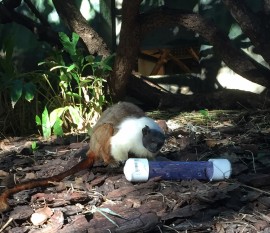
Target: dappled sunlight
(85, 9)
(53, 17)
(89, 9)
(229, 79)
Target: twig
(253, 160)
(256, 189)
(37, 13)
(6, 224)
(171, 228)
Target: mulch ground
(102, 200)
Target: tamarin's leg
(100, 143)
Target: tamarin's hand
(121, 129)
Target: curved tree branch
(236, 59)
(251, 25)
(32, 7)
(223, 99)
(77, 23)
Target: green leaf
(81, 60)
(34, 146)
(89, 58)
(63, 84)
(106, 67)
(64, 78)
(101, 100)
(71, 67)
(55, 114)
(75, 38)
(86, 81)
(103, 212)
(76, 117)
(38, 120)
(204, 112)
(109, 61)
(46, 126)
(64, 39)
(16, 91)
(76, 78)
(29, 90)
(57, 67)
(42, 63)
(73, 95)
(78, 59)
(69, 45)
(57, 127)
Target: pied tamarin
(122, 129)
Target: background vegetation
(57, 68)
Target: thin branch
(37, 13)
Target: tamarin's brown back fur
(118, 112)
(106, 127)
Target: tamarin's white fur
(128, 138)
(123, 130)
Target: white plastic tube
(139, 170)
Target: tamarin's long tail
(44, 182)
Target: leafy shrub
(79, 97)
(17, 90)
(70, 85)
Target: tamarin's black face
(152, 139)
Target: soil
(102, 200)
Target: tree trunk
(127, 50)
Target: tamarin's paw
(114, 164)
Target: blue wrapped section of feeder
(181, 170)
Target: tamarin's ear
(145, 130)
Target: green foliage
(204, 113)
(70, 85)
(78, 97)
(49, 122)
(69, 45)
(34, 146)
(18, 85)
(17, 92)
